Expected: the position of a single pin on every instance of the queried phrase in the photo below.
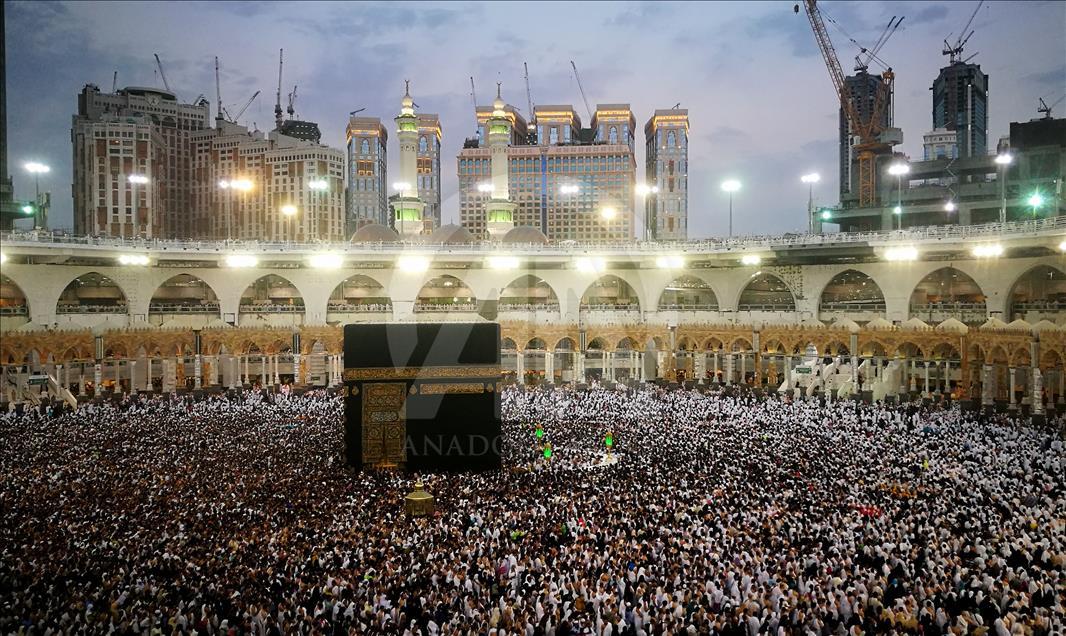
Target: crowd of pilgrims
(714, 514)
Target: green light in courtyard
(1036, 199)
(27, 209)
(826, 215)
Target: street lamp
(37, 168)
(1035, 200)
(730, 186)
(239, 185)
(898, 170)
(644, 190)
(810, 180)
(135, 180)
(289, 212)
(1002, 161)
(609, 213)
(949, 206)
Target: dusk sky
(760, 101)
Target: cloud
(639, 15)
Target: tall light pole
(810, 180)
(730, 186)
(1002, 161)
(644, 191)
(238, 185)
(135, 180)
(898, 170)
(289, 212)
(37, 169)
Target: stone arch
(610, 293)
(445, 293)
(597, 344)
(976, 353)
(527, 293)
(948, 292)
(566, 344)
(684, 343)
(688, 293)
(1021, 357)
(713, 344)
(361, 293)
(766, 292)
(536, 344)
(740, 344)
(271, 293)
(627, 344)
(116, 350)
(1040, 289)
(12, 299)
(773, 346)
(92, 292)
(508, 344)
(1050, 359)
(908, 350)
(873, 348)
(852, 291)
(184, 293)
(945, 351)
(837, 348)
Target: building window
(553, 135)
(613, 139)
(364, 148)
(422, 145)
(671, 139)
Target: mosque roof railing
(990, 231)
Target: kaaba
(422, 396)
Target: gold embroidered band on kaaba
(452, 388)
(416, 373)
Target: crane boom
(278, 115)
(163, 75)
(868, 130)
(954, 51)
(245, 107)
(292, 103)
(473, 98)
(529, 94)
(218, 93)
(582, 89)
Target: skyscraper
(142, 133)
(863, 87)
(269, 187)
(666, 169)
(568, 185)
(368, 189)
(429, 137)
(960, 103)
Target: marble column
(1011, 377)
(579, 367)
(987, 385)
(926, 393)
(197, 369)
(520, 367)
(549, 367)
(715, 366)
(98, 378)
(133, 376)
(729, 362)
(1037, 391)
(297, 380)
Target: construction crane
(218, 97)
(114, 83)
(355, 112)
(580, 88)
(291, 110)
(868, 130)
(161, 73)
(243, 108)
(278, 115)
(1045, 110)
(862, 65)
(529, 95)
(954, 51)
(473, 98)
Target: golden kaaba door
(384, 423)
